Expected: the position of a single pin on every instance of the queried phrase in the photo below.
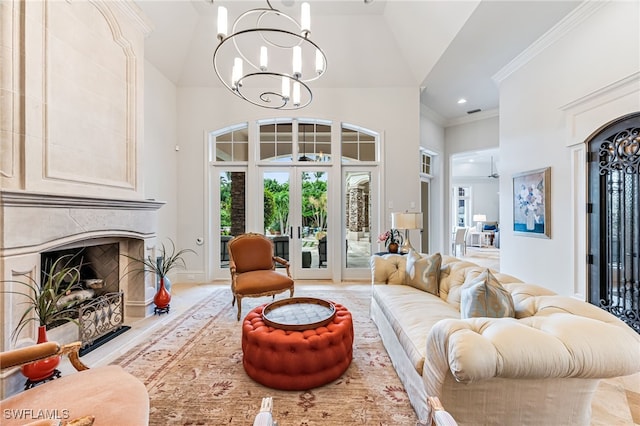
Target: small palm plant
(163, 264)
(44, 300)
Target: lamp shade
(479, 218)
(406, 220)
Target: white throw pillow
(485, 297)
(423, 271)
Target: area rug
(193, 372)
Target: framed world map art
(531, 203)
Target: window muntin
(425, 163)
(314, 142)
(276, 141)
(232, 144)
(357, 145)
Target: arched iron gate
(614, 219)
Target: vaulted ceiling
(447, 49)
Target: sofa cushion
(423, 271)
(454, 273)
(388, 269)
(411, 313)
(484, 296)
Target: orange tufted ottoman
(296, 360)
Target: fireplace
(36, 225)
(96, 300)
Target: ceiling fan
(493, 175)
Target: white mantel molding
(32, 199)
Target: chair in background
(100, 396)
(459, 240)
(253, 269)
(281, 248)
(322, 251)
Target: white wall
(160, 157)
(393, 112)
(598, 51)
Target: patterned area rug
(193, 371)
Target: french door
(296, 212)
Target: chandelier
(268, 58)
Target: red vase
(162, 297)
(393, 247)
(43, 369)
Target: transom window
(357, 145)
(232, 144)
(425, 163)
(276, 141)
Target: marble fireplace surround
(34, 223)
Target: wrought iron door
(614, 219)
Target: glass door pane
(232, 210)
(313, 219)
(276, 211)
(357, 192)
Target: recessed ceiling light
(462, 101)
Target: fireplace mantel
(34, 199)
(35, 222)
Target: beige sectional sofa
(540, 368)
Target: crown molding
(430, 114)
(568, 23)
(133, 11)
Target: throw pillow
(423, 271)
(485, 297)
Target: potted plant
(161, 266)
(391, 239)
(46, 306)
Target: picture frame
(532, 203)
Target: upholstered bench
(296, 360)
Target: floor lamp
(406, 221)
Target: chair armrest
(281, 261)
(439, 416)
(21, 356)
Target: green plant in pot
(167, 261)
(46, 304)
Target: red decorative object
(296, 360)
(393, 247)
(162, 298)
(45, 368)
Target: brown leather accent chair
(253, 269)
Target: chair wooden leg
(239, 307)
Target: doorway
(614, 219)
(295, 211)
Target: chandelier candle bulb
(236, 72)
(286, 90)
(319, 62)
(296, 93)
(297, 61)
(305, 18)
(222, 22)
(264, 59)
